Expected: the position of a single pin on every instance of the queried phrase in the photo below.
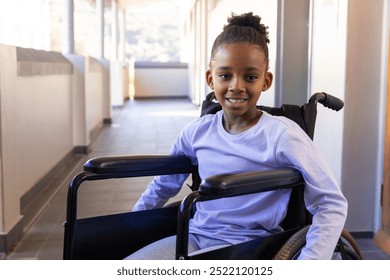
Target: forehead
(239, 54)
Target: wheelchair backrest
(304, 116)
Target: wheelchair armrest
(250, 182)
(227, 185)
(139, 165)
(110, 167)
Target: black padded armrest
(139, 165)
(250, 182)
(227, 185)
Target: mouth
(236, 100)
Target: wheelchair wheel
(346, 248)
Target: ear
(267, 81)
(209, 79)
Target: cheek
(219, 96)
(217, 85)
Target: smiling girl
(241, 138)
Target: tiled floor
(141, 127)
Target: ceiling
(130, 3)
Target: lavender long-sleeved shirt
(273, 142)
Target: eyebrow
(224, 68)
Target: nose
(236, 85)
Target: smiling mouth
(236, 100)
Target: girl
(240, 138)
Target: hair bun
(248, 20)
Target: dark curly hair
(244, 28)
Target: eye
(251, 78)
(224, 76)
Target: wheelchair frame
(110, 236)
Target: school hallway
(142, 126)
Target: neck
(237, 124)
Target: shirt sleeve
(162, 188)
(322, 195)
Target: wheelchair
(115, 236)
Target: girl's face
(238, 74)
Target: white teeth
(235, 100)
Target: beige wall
(49, 106)
(119, 90)
(90, 97)
(94, 95)
(36, 130)
(348, 55)
(363, 135)
(9, 203)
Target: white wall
(327, 64)
(161, 80)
